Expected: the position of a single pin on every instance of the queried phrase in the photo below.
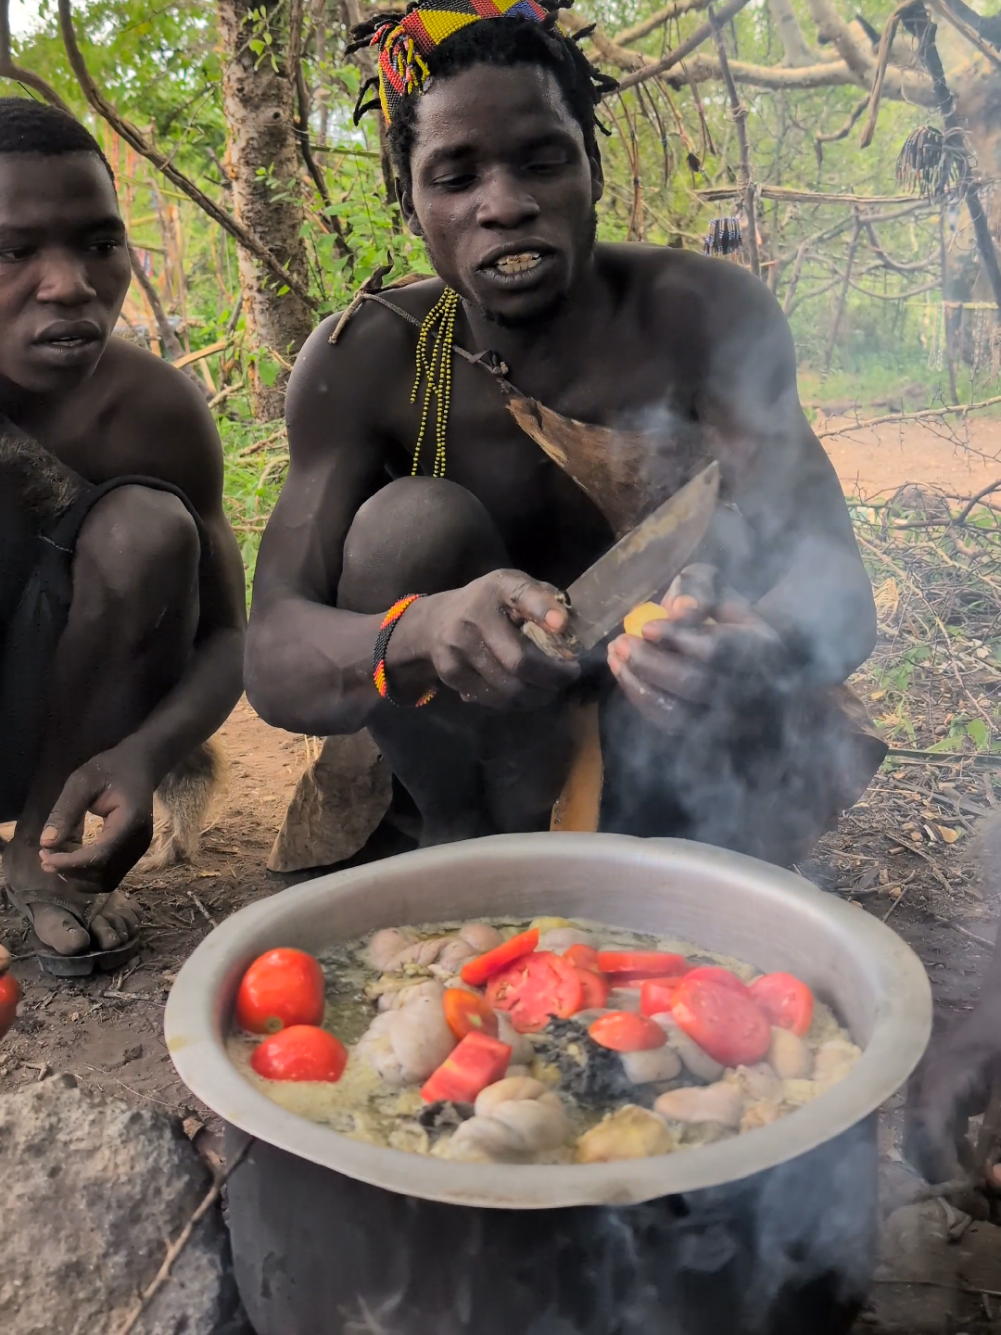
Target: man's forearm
(309, 666)
(824, 612)
(192, 711)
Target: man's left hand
(711, 647)
(117, 787)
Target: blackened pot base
(789, 1251)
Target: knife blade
(642, 563)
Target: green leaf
(980, 733)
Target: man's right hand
(472, 639)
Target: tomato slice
(731, 1027)
(594, 987)
(657, 995)
(715, 973)
(535, 987)
(625, 1031)
(785, 999)
(584, 957)
(476, 1062)
(641, 963)
(281, 988)
(301, 1052)
(477, 971)
(468, 1012)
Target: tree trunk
(259, 105)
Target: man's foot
(62, 916)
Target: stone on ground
(93, 1193)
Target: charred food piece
(588, 1072)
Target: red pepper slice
(476, 1062)
(477, 971)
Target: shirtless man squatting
(121, 583)
(716, 724)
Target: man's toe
(108, 931)
(59, 930)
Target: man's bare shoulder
(374, 350)
(158, 418)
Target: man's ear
(405, 195)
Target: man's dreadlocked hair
(506, 42)
(27, 126)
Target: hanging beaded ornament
(929, 165)
(724, 237)
(435, 370)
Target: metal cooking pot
(771, 1232)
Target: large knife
(641, 564)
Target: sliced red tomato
(477, 971)
(584, 957)
(641, 963)
(715, 973)
(657, 995)
(476, 1062)
(625, 1031)
(468, 1012)
(10, 993)
(301, 1052)
(281, 988)
(785, 999)
(535, 987)
(594, 987)
(731, 1027)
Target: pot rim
(195, 1031)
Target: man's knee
(137, 542)
(416, 535)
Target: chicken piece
(643, 1068)
(518, 1118)
(406, 1045)
(422, 954)
(503, 1091)
(481, 936)
(695, 1060)
(628, 1133)
(789, 1057)
(387, 944)
(722, 1103)
(834, 1060)
(541, 1123)
(758, 1082)
(797, 1093)
(760, 1113)
(394, 998)
(454, 954)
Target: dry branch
(843, 294)
(957, 409)
(653, 21)
(968, 31)
(739, 112)
(794, 196)
(701, 34)
(130, 133)
(882, 61)
(8, 70)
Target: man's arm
(178, 442)
(813, 613)
(309, 663)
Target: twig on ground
(202, 909)
(182, 1240)
(950, 410)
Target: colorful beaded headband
(404, 43)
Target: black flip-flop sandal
(74, 966)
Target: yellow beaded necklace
(436, 371)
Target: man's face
(503, 191)
(64, 268)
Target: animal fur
(183, 804)
(43, 485)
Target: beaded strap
(389, 624)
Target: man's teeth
(520, 263)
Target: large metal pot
(770, 1232)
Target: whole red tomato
(10, 993)
(282, 988)
(301, 1052)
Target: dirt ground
(890, 857)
